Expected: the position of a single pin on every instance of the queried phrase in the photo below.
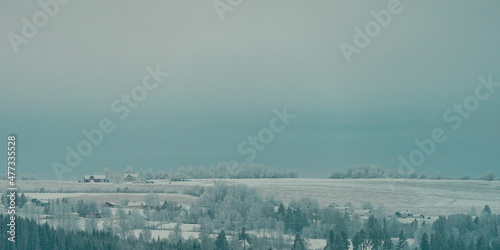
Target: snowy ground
(428, 197)
(184, 200)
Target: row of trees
(367, 172)
(233, 171)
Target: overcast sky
(226, 77)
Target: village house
(40, 202)
(95, 178)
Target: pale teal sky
(227, 76)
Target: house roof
(135, 204)
(362, 211)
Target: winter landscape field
(249, 125)
(162, 209)
(427, 197)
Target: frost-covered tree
(488, 176)
(152, 200)
(129, 170)
(438, 176)
(145, 235)
(137, 220)
(206, 241)
(176, 234)
(422, 176)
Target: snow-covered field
(428, 197)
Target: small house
(40, 202)
(95, 178)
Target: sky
(227, 78)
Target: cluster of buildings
(99, 178)
(364, 214)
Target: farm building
(135, 204)
(112, 204)
(406, 214)
(95, 178)
(91, 215)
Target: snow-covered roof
(362, 211)
(135, 204)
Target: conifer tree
(425, 242)
(402, 243)
(388, 245)
(221, 242)
(298, 243)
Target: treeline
(368, 172)
(32, 235)
(233, 171)
(219, 171)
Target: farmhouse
(363, 214)
(40, 202)
(95, 178)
